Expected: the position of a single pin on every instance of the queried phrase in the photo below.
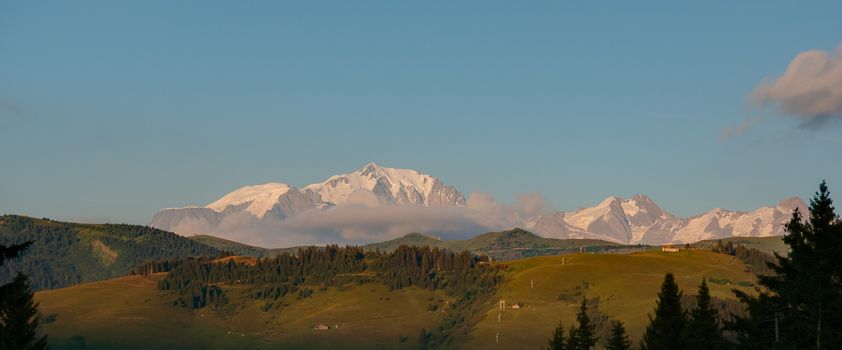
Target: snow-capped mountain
(371, 185)
(718, 223)
(258, 199)
(640, 220)
(614, 219)
(389, 185)
(403, 201)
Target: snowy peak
(389, 185)
(629, 221)
(624, 220)
(643, 205)
(640, 210)
(370, 185)
(719, 223)
(640, 220)
(260, 198)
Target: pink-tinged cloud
(810, 89)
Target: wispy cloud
(732, 131)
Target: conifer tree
(618, 340)
(703, 330)
(802, 307)
(18, 311)
(571, 339)
(12, 251)
(557, 341)
(584, 338)
(665, 329)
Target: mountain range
(371, 185)
(637, 220)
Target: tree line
(757, 260)
(197, 281)
(472, 280)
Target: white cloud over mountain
(376, 203)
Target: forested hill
(65, 254)
(237, 248)
(504, 245)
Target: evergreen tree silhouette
(571, 339)
(19, 317)
(18, 311)
(12, 251)
(557, 341)
(618, 340)
(802, 307)
(584, 338)
(704, 331)
(665, 329)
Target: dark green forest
(63, 254)
(201, 282)
(757, 260)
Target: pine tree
(18, 311)
(665, 329)
(12, 251)
(619, 340)
(703, 330)
(557, 341)
(18, 316)
(571, 339)
(803, 306)
(584, 333)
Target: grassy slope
(130, 312)
(627, 286)
(114, 312)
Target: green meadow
(130, 312)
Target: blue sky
(112, 110)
